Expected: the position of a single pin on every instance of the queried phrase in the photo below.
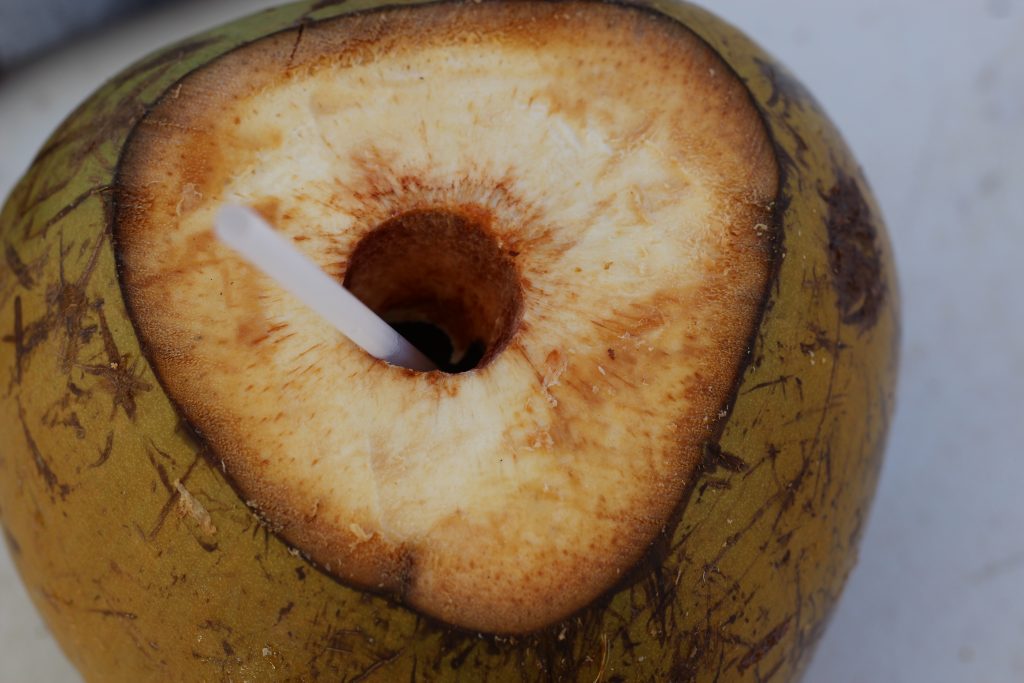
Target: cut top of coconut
(575, 190)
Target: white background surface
(930, 95)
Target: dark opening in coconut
(441, 279)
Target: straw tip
(233, 220)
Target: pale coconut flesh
(583, 191)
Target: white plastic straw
(246, 232)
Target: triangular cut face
(580, 190)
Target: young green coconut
(667, 310)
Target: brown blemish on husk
(854, 254)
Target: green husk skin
(99, 476)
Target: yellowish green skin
(134, 587)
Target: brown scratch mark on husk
(165, 481)
(12, 542)
(781, 380)
(295, 47)
(121, 375)
(67, 210)
(169, 57)
(33, 196)
(18, 338)
(105, 453)
(93, 127)
(761, 648)
(284, 611)
(54, 484)
(380, 663)
(66, 310)
(117, 614)
(61, 413)
(829, 397)
(323, 4)
(788, 93)
(715, 457)
(21, 271)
